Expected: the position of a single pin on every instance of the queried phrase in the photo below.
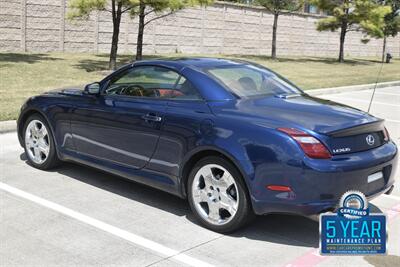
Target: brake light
(311, 146)
(386, 135)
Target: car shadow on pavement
(283, 229)
(274, 228)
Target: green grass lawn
(26, 74)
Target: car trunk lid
(342, 129)
(356, 139)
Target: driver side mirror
(92, 88)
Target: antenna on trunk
(376, 85)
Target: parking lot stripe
(135, 239)
(313, 258)
(339, 98)
(390, 120)
(369, 92)
(392, 197)
(392, 94)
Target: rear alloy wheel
(217, 195)
(39, 143)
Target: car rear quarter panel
(265, 155)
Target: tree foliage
(83, 8)
(158, 9)
(391, 25)
(359, 15)
(392, 20)
(352, 15)
(277, 7)
(143, 9)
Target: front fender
(29, 108)
(52, 111)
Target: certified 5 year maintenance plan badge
(352, 230)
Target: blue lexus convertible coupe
(234, 138)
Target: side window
(145, 81)
(240, 79)
(185, 90)
(152, 81)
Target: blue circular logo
(353, 205)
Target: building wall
(42, 26)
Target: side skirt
(167, 183)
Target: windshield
(248, 80)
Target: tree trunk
(274, 30)
(116, 19)
(139, 43)
(384, 49)
(343, 32)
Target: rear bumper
(317, 185)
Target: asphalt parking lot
(75, 215)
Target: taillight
(311, 146)
(386, 135)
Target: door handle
(151, 117)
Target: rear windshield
(248, 80)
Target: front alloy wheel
(39, 144)
(37, 141)
(217, 195)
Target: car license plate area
(375, 177)
(376, 182)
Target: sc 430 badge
(352, 230)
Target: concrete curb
(11, 126)
(8, 126)
(337, 90)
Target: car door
(187, 124)
(122, 125)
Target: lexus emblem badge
(370, 140)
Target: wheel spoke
(36, 128)
(207, 175)
(42, 132)
(228, 203)
(213, 211)
(29, 143)
(43, 147)
(200, 196)
(225, 181)
(37, 156)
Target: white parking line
(392, 197)
(339, 98)
(137, 240)
(390, 120)
(370, 92)
(383, 93)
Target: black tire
(244, 213)
(52, 159)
